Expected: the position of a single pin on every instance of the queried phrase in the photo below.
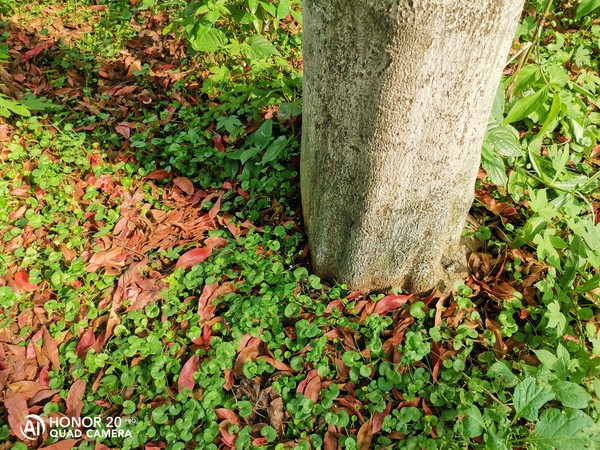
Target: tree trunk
(397, 94)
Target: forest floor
(153, 265)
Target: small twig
(523, 49)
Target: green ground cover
(153, 265)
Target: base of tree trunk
(396, 98)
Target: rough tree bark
(397, 94)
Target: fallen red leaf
(100, 446)
(75, 398)
(248, 353)
(44, 377)
(184, 184)
(22, 281)
(16, 406)
(205, 310)
(215, 241)
(218, 141)
(125, 90)
(216, 208)
(275, 363)
(337, 304)
(123, 130)
(380, 417)
(223, 413)
(310, 386)
(228, 375)
(192, 257)
(186, 376)
(85, 343)
(330, 442)
(158, 175)
(390, 303)
(226, 437)
(365, 434)
(50, 349)
(36, 51)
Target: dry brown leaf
(192, 257)
(276, 414)
(184, 184)
(75, 398)
(248, 353)
(365, 435)
(186, 376)
(50, 348)
(16, 406)
(28, 388)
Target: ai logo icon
(34, 427)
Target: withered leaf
(22, 281)
(390, 303)
(16, 406)
(184, 184)
(276, 414)
(50, 348)
(192, 257)
(186, 376)
(365, 434)
(75, 398)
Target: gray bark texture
(396, 98)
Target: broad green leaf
(529, 397)
(230, 123)
(556, 319)
(547, 358)
(493, 165)
(494, 441)
(517, 182)
(260, 47)
(550, 122)
(501, 371)
(564, 365)
(264, 134)
(252, 6)
(473, 424)
(526, 105)
(586, 7)
(534, 225)
(15, 106)
(503, 141)
(527, 77)
(283, 9)
(287, 110)
(571, 395)
(569, 430)
(498, 106)
(590, 284)
(37, 103)
(547, 243)
(208, 39)
(558, 77)
(275, 149)
(269, 7)
(247, 154)
(576, 258)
